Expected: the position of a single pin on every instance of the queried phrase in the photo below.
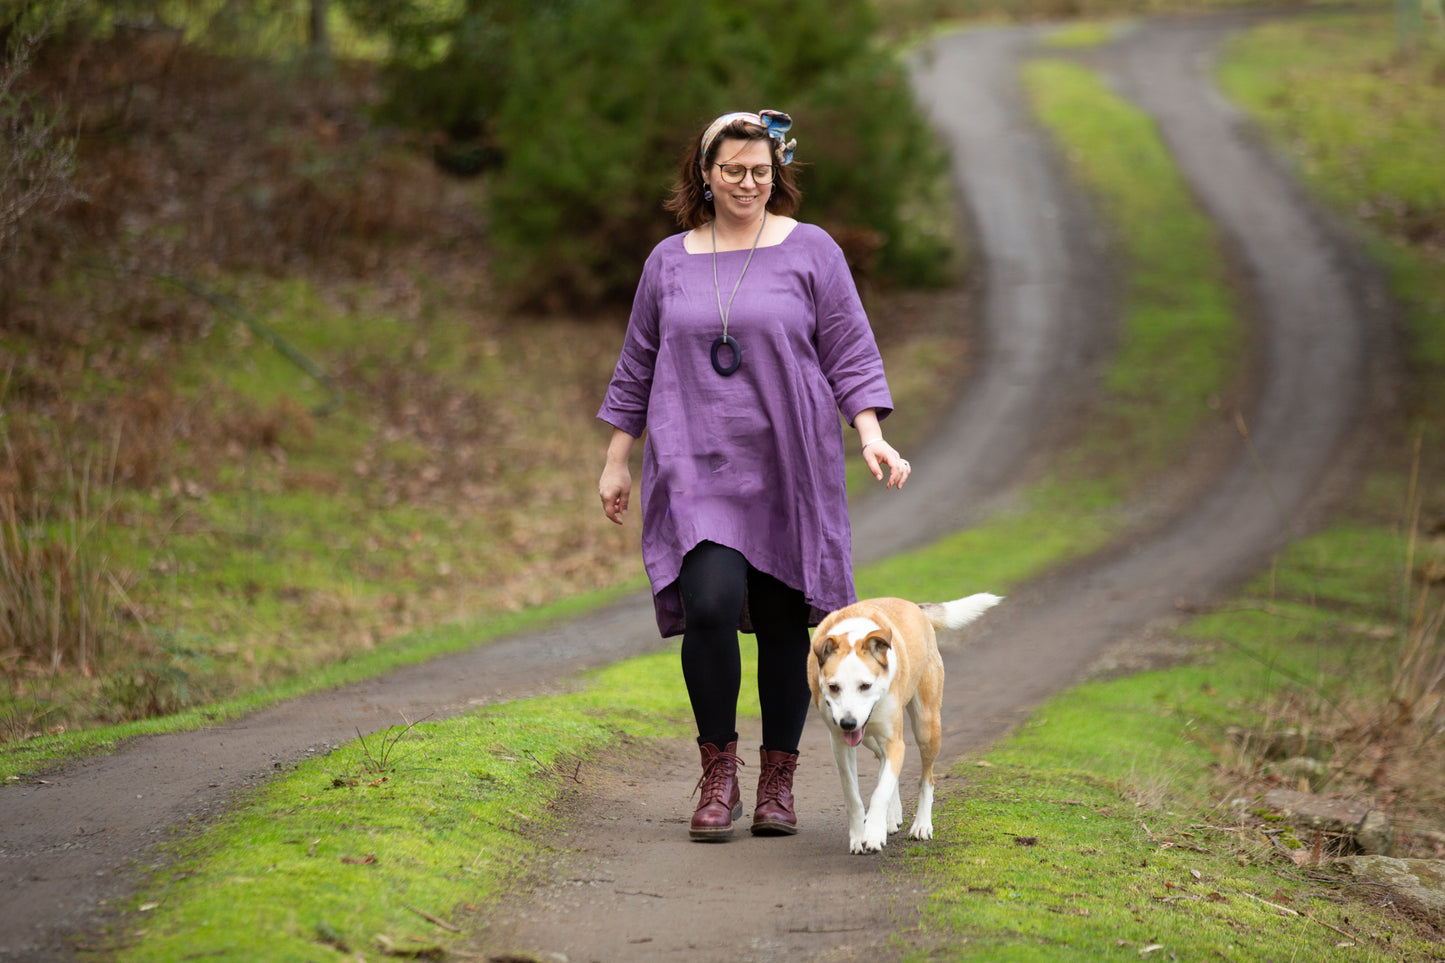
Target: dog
(869, 662)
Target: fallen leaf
(434, 919)
(360, 860)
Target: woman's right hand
(613, 488)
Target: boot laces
(775, 777)
(715, 774)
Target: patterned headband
(775, 122)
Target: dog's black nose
(848, 724)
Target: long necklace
(723, 339)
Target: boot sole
(774, 829)
(711, 835)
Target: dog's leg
(895, 802)
(928, 733)
(895, 808)
(847, 759)
(875, 823)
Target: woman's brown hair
(687, 201)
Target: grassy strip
(1175, 359)
(1086, 839)
(378, 845)
(1362, 123)
(441, 816)
(1180, 337)
(41, 752)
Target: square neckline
(682, 237)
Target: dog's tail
(959, 612)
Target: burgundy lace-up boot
(721, 800)
(774, 814)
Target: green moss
(350, 849)
(1094, 831)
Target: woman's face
(745, 200)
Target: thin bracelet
(867, 443)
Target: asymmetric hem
(754, 460)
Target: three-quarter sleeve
(847, 351)
(626, 402)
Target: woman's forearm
(619, 448)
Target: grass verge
(1121, 821)
(41, 752)
(378, 846)
(1079, 840)
(1360, 120)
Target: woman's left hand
(879, 454)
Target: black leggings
(714, 582)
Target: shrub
(37, 160)
(597, 100)
(449, 65)
(879, 171)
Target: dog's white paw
(921, 830)
(867, 845)
(873, 840)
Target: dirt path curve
(67, 843)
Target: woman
(746, 340)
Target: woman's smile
(737, 200)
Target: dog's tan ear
(823, 647)
(880, 644)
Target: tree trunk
(319, 38)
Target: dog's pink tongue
(854, 737)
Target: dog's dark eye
(834, 688)
(865, 687)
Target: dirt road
(644, 890)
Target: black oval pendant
(729, 341)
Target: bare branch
(37, 162)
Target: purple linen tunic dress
(753, 461)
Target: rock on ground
(1415, 885)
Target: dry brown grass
(1380, 740)
(57, 590)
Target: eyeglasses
(734, 173)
